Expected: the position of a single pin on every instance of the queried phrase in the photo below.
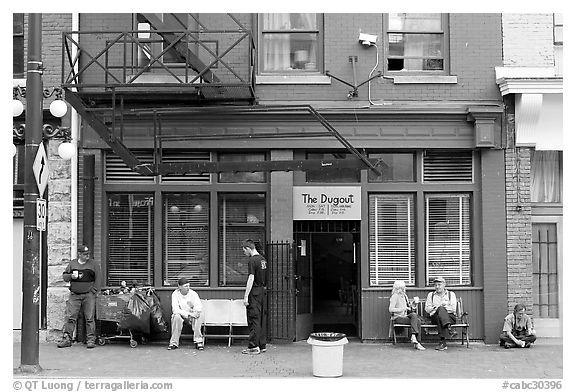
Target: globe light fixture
(58, 108)
(66, 150)
(17, 107)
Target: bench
(431, 329)
(227, 313)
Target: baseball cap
(439, 279)
(182, 281)
(83, 249)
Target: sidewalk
(372, 360)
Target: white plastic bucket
(327, 354)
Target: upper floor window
(18, 46)
(290, 43)
(546, 173)
(417, 42)
(331, 175)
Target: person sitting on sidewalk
(403, 313)
(441, 306)
(186, 308)
(84, 276)
(518, 330)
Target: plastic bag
(156, 318)
(136, 316)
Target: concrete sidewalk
(373, 360)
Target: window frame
(320, 48)
(19, 36)
(445, 32)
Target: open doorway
(334, 283)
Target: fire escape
(164, 69)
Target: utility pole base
(28, 369)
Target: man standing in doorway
(84, 277)
(254, 298)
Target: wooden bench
(227, 313)
(431, 329)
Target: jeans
(504, 338)
(255, 317)
(177, 322)
(443, 320)
(88, 302)
(413, 320)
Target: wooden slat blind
(392, 254)
(448, 238)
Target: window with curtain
(241, 216)
(242, 177)
(417, 42)
(18, 46)
(130, 238)
(290, 42)
(391, 239)
(186, 242)
(546, 177)
(448, 238)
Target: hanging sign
(326, 203)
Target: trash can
(327, 353)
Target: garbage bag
(136, 315)
(157, 321)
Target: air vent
(118, 172)
(174, 156)
(447, 166)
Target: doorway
(327, 277)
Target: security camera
(367, 39)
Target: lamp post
(35, 173)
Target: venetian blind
(186, 238)
(448, 238)
(391, 240)
(130, 238)
(447, 166)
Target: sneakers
(90, 344)
(65, 342)
(509, 345)
(200, 346)
(442, 346)
(527, 344)
(251, 351)
(172, 347)
(419, 346)
(262, 349)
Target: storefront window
(395, 167)
(130, 238)
(241, 177)
(186, 242)
(391, 228)
(546, 176)
(448, 238)
(331, 175)
(241, 216)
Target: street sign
(41, 214)
(40, 168)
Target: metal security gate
(281, 294)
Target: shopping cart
(113, 309)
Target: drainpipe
(75, 128)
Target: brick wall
(528, 40)
(518, 217)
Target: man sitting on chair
(186, 307)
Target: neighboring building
(258, 110)
(531, 82)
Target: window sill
(292, 79)
(424, 79)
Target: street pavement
(544, 360)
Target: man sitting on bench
(441, 306)
(186, 307)
(518, 330)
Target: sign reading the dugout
(326, 203)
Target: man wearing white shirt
(441, 306)
(186, 307)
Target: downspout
(75, 130)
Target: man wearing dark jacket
(84, 276)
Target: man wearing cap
(84, 276)
(186, 307)
(441, 306)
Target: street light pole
(29, 361)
